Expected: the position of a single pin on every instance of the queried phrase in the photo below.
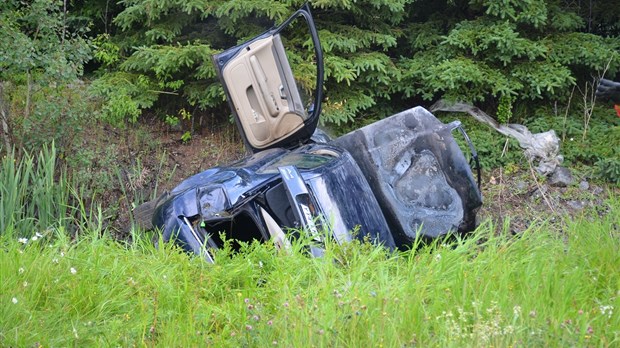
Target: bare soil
(142, 161)
(521, 197)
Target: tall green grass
(541, 288)
(37, 200)
(34, 196)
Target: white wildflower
(55, 260)
(25, 284)
(21, 270)
(34, 238)
(438, 257)
(516, 310)
(14, 300)
(607, 310)
(508, 330)
(23, 240)
(73, 270)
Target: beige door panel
(265, 97)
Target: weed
(33, 197)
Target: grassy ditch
(538, 289)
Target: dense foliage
(381, 56)
(42, 53)
(502, 51)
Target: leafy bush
(57, 113)
(41, 58)
(126, 95)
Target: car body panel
(262, 92)
(216, 200)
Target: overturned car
(392, 181)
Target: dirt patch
(521, 197)
(120, 168)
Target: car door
(270, 107)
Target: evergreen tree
(380, 56)
(501, 51)
(165, 48)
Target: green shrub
(41, 59)
(609, 169)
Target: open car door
(271, 108)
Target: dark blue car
(390, 182)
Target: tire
(143, 214)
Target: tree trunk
(28, 96)
(4, 119)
